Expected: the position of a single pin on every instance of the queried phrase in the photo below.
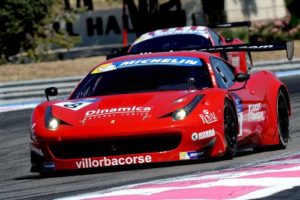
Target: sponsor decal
(239, 108)
(255, 113)
(107, 162)
(185, 30)
(190, 155)
(134, 110)
(49, 165)
(202, 135)
(173, 31)
(208, 117)
(104, 68)
(245, 47)
(184, 156)
(76, 105)
(211, 72)
(240, 120)
(171, 60)
(239, 105)
(214, 80)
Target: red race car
(160, 107)
(191, 37)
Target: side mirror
(241, 77)
(51, 91)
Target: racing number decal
(74, 105)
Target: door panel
(251, 110)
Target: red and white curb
(250, 182)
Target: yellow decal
(104, 68)
(142, 38)
(183, 156)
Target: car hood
(124, 109)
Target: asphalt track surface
(16, 182)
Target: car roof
(192, 30)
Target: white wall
(254, 10)
(105, 34)
(236, 10)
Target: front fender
(213, 102)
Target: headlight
(186, 110)
(51, 122)
(179, 114)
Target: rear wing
(273, 46)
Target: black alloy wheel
(282, 120)
(230, 130)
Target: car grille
(112, 147)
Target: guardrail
(33, 91)
(278, 65)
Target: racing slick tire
(282, 120)
(230, 130)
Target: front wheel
(282, 120)
(230, 130)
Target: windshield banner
(170, 60)
(177, 61)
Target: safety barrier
(32, 91)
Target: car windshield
(171, 42)
(143, 79)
